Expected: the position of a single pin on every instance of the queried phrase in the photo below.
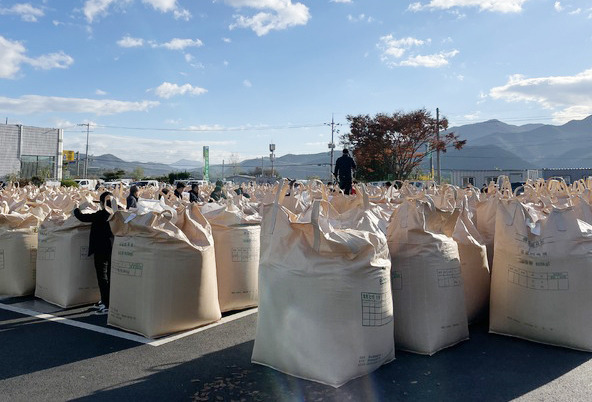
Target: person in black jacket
(100, 245)
(344, 170)
(132, 198)
(179, 190)
(194, 193)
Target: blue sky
(158, 79)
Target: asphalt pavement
(47, 358)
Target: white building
(479, 178)
(31, 151)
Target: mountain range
(490, 145)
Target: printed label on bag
(377, 309)
(84, 253)
(370, 360)
(127, 268)
(449, 277)
(538, 280)
(242, 254)
(46, 253)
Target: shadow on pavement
(29, 344)
(488, 367)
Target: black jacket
(131, 201)
(343, 167)
(101, 237)
(193, 197)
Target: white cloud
(361, 17)
(128, 41)
(502, 6)
(277, 15)
(226, 40)
(431, 61)
(51, 60)
(340, 1)
(12, 56)
(247, 83)
(100, 92)
(146, 149)
(557, 6)
(570, 97)
(100, 8)
(179, 44)
(26, 11)
(30, 104)
(167, 90)
(396, 48)
(472, 116)
(96, 8)
(576, 11)
(166, 6)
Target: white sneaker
(102, 310)
(97, 306)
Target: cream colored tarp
(65, 272)
(428, 294)
(542, 281)
(163, 273)
(325, 306)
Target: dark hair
(180, 185)
(346, 151)
(165, 190)
(194, 186)
(103, 196)
(133, 189)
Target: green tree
(395, 144)
(113, 175)
(138, 173)
(178, 176)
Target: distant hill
(491, 144)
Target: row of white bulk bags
(237, 245)
(65, 272)
(163, 272)
(18, 252)
(427, 286)
(325, 303)
(542, 276)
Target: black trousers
(103, 268)
(345, 185)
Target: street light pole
(332, 143)
(272, 157)
(86, 157)
(438, 150)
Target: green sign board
(206, 168)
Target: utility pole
(332, 143)
(272, 157)
(439, 172)
(223, 177)
(86, 156)
(78, 164)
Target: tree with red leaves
(395, 144)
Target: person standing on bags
(345, 168)
(132, 198)
(100, 245)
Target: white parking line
(121, 334)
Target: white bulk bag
(325, 307)
(473, 265)
(428, 294)
(163, 274)
(236, 241)
(66, 274)
(18, 253)
(542, 282)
